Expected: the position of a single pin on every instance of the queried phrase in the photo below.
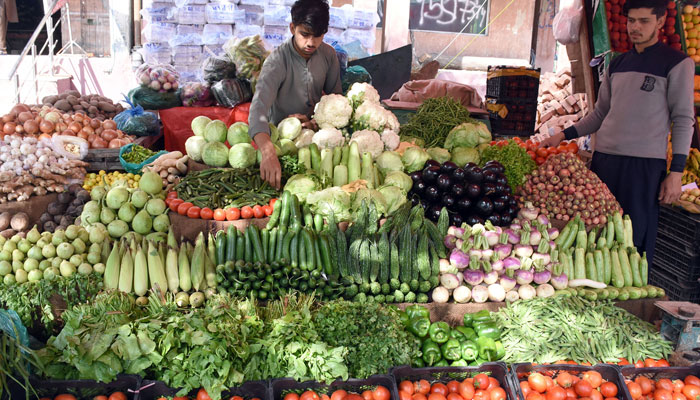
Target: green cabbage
(301, 185)
(464, 155)
(198, 124)
(439, 154)
(389, 161)
(414, 159)
(215, 154)
(398, 179)
(468, 134)
(215, 131)
(289, 128)
(238, 133)
(394, 197)
(332, 200)
(194, 146)
(287, 147)
(242, 155)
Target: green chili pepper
(459, 363)
(468, 333)
(419, 326)
(489, 330)
(469, 349)
(477, 362)
(417, 311)
(451, 350)
(431, 352)
(487, 348)
(439, 332)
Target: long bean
(222, 188)
(434, 119)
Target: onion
(46, 126)
(88, 129)
(19, 108)
(99, 143)
(95, 123)
(53, 116)
(75, 126)
(83, 135)
(24, 117)
(117, 143)
(7, 118)
(19, 129)
(109, 124)
(31, 127)
(109, 134)
(9, 128)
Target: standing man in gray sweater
(646, 93)
(292, 80)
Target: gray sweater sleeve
(269, 82)
(681, 110)
(591, 122)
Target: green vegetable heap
(514, 158)
(137, 154)
(223, 188)
(434, 120)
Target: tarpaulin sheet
(177, 121)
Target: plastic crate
(497, 370)
(675, 290)
(630, 373)
(86, 389)
(512, 128)
(153, 390)
(675, 260)
(280, 387)
(610, 373)
(681, 227)
(520, 83)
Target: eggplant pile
(471, 194)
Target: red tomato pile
(617, 26)
(480, 387)
(643, 388)
(113, 396)
(540, 154)
(567, 386)
(202, 395)
(649, 362)
(379, 393)
(230, 214)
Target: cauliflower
(328, 138)
(304, 139)
(368, 141)
(333, 111)
(361, 92)
(391, 140)
(373, 116)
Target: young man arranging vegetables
(646, 92)
(293, 79)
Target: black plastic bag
(217, 68)
(356, 73)
(232, 92)
(136, 121)
(151, 99)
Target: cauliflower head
(373, 116)
(368, 141)
(333, 111)
(361, 92)
(328, 138)
(305, 138)
(391, 140)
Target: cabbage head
(467, 134)
(389, 161)
(242, 155)
(369, 195)
(289, 128)
(301, 185)
(464, 155)
(398, 179)
(198, 124)
(414, 159)
(215, 154)
(238, 133)
(215, 131)
(394, 197)
(332, 200)
(194, 146)
(287, 147)
(439, 154)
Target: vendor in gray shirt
(292, 80)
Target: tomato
(267, 210)
(542, 152)
(381, 393)
(422, 386)
(549, 381)
(572, 147)
(105, 398)
(556, 393)
(291, 396)
(193, 212)
(649, 362)
(117, 396)
(608, 389)
(64, 397)
(537, 382)
(565, 380)
(232, 214)
(235, 398)
(246, 212)
(639, 364)
(367, 395)
(535, 396)
(436, 396)
(402, 396)
(481, 381)
(454, 396)
(171, 195)
(309, 395)
(497, 393)
(551, 151)
(540, 160)
(525, 388)
(482, 395)
(353, 396)
(595, 395)
(466, 390)
(416, 396)
(645, 384)
(439, 388)
(340, 395)
(167, 202)
(493, 383)
(692, 392)
(635, 390)
(663, 394)
(272, 202)
(183, 207)
(202, 395)
(219, 214)
(692, 380)
(594, 378)
(323, 397)
(662, 363)
(623, 361)
(532, 154)
(583, 388)
(452, 386)
(571, 393)
(665, 384)
(678, 396)
(174, 203)
(206, 213)
(258, 212)
(405, 386)
(677, 385)
(611, 398)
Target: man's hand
(270, 169)
(306, 123)
(670, 188)
(553, 140)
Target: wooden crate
(108, 159)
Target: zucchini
(644, 269)
(579, 263)
(591, 272)
(231, 242)
(619, 229)
(309, 251)
(617, 278)
(582, 239)
(610, 234)
(367, 173)
(295, 217)
(354, 166)
(607, 263)
(635, 259)
(220, 247)
(337, 155)
(304, 155)
(285, 205)
(345, 151)
(599, 265)
(272, 246)
(315, 157)
(626, 268)
(308, 217)
(318, 222)
(340, 175)
(318, 264)
(326, 167)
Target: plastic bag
(136, 168)
(159, 77)
(222, 12)
(187, 55)
(71, 147)
(156, 53)
(215, 69)
(151, 99)
(567, 23)
(191, 14)
(196, 94)
(136, 121)
(356, 73)
(159, 32)
(187, 35)
(232, 92)
(217, 33)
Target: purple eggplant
(447, 167)
(444, 182)
(457, 190)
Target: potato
(4, 220)
(20, 221)
(63, 105)
(72, 100)
(78, 107)
(8, 233)
(50, 99)
(85, 104)
(93, 110)
(107, 107)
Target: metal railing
(21, 77)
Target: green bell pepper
(500, 350)
(419, 326)
(482, 316)
(431, 352)
(455, 334)
(417, 311)
(487, 348)
(439, 332)
(403, 317)
(459, 363)
(451, 350)
(469, 349)
(468, 319)
(469, 333)
(477, 362)
(441, 363)
(489, 330)
(418, 363)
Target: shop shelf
(609, 372)
(497, 370)
(280, 387)
(152, 390)
(676, 290)
(85, 389)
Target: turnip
(496, 292)
(491, 278)
(523, 276)
(480, 294)
(527, 292)
(560, 282)
(462, 294)
(507, 282)
(440, 295)
(512, 296)
(542, 277)
(545, 290)
(449, 281)
(473, 277)
(458, 259)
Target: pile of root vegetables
(171, 167)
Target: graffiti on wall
(449, 16)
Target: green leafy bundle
(515, 160)
(434, 120)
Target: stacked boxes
(511, 99)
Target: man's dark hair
(658, 7)
(313, 14)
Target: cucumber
(318, 265)
(308, 217)
(315, 157)
(354, 163)
(292, 248)
(282, 250)
(326, 167)
(220, 245)
(599, 265)
(272, 246)
(303, 264)
(635, 259)
(240, 246)
(285, 205)
(318, 222)
(340, 175)
(618, 279)
(231, 234)
(308, 250)
(626, 268)
(326, 260)
(257, 243)
(265, 241)
(248, 253)
(275, 217)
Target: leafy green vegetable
(464, 155)
(414, 159)
(301, 185)
(331, 201)
(439, 154)
(389, 161)
(290, 166)
(394, 197)
(515, 160)
(399, 179)
(241, 155)
(468, 134)
(434, 120)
